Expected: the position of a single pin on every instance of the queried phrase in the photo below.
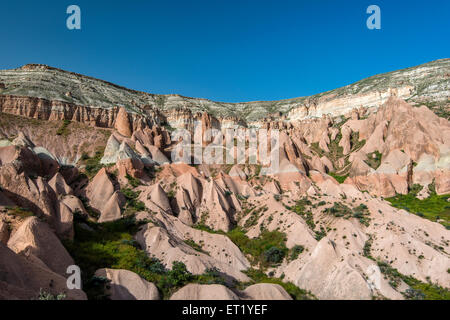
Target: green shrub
(133, 181)
(320, 234)
(339, 210)
(367, 249)
(195, 246)
(211, 276)
(132, 204)
(92, 164)
(274, 255)
(296, 251)
(177, 277)
(44, 295)
(19, 212)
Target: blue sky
(226, 50)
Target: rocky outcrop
(33, 194)
(170, 242)
(44, 109)
(127, 285)
(122, 123)
(24, 279)
(260, 291)
(104, 197)
(413, 146)
(37, 242)
(59, 185)
(266, 291)
(4, 231)
(204, 292)
(23, 158)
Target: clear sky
(233, 50)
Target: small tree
(273, 255)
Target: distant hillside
(429, 83)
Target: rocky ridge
(424, 84)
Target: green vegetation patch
(418, 290)
(132, 204)
(267, 250)
(92, 164)
(338, 178)
(340, 210)
(434, 208)
(355, 143)
(336, 152)
(111, 245)
(301, 209)
(296, 251)
(64, 129)
(19, 212)
(134, 182)
(254, 213)
(374, 159)
(367, 249)
(44, 295)
(195, 246)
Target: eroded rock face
(266, 291)
(59, 185)
(64, 221)
(169, 243)
(130, 166)
(34, 194)
(431, 78)
(396, 237)
(127, 285)
(37, 242)
(155, 198)
(122, 123)
(22, 157)
(46, 109)
(74, 204)
(104, 197)
(260, 291)
(204, 292)
(5, 201)
(110, 154)
(4, 231)
(413, 145)
(24, 279)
